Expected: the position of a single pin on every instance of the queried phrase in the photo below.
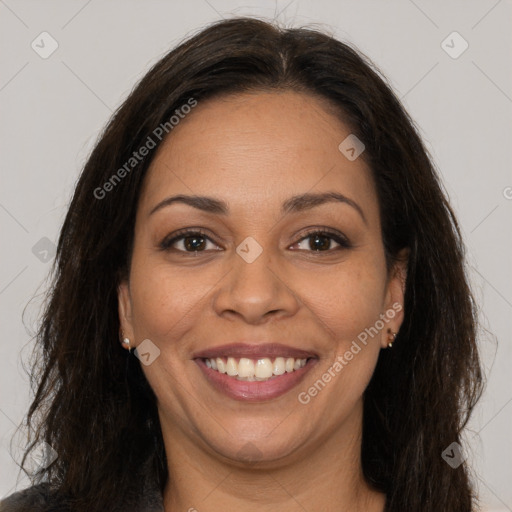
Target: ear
(124, 303)
(394, 299)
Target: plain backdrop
(53, 108)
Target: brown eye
(187, 241)
(194, 243)
(321, 241)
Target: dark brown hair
(93, 404)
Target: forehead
(254, 148)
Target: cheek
(164, 301)
(348, 299)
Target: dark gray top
(38, 499)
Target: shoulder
(37, 498)
(42, 498)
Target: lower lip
(255, 391)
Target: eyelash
(167, 243)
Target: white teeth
(263, 368)
(279, 366)
(246, 367)
(258, 369)
(231, 367)
(221, 366)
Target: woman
(260, 297)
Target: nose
(256, 291)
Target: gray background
(53, 109)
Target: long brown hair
(93, 404)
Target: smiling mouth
(262, 369)
(254, 372)
(253, 380)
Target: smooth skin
(254, 151)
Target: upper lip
(253, 350)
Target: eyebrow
(292, 205)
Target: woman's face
(257, 276)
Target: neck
(328, 477)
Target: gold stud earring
(124, 340)
(391, 338)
